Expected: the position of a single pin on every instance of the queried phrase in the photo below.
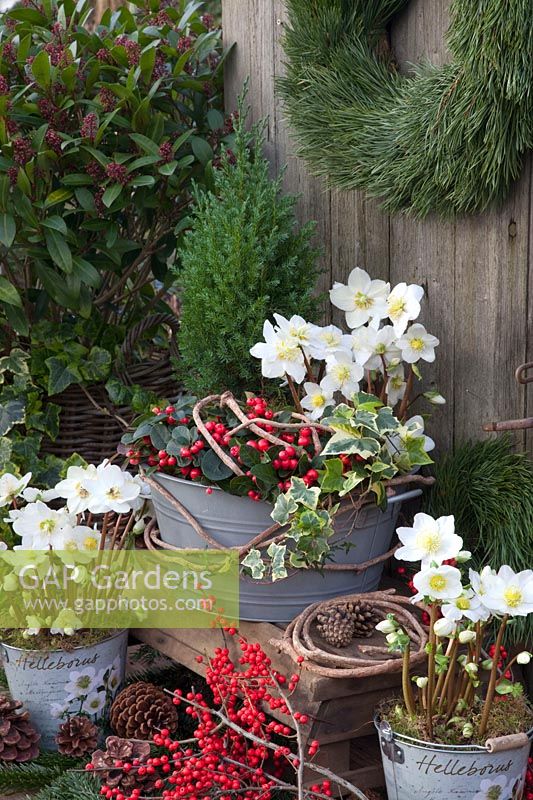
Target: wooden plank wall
(476, 270)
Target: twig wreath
(448, 139)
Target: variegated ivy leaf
(284, 508)
(353, 479)
(367, 402)
(341, 444)
(332, 478)
(277, 554)
(307, 497)
(386, 422)
(366, 419)
(255, 564)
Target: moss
(508, 715)
(44, 642)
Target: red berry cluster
(294, 458)
(501, 660)
(529, 781)
(226, 761)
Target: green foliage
(243, 259)
(102, 134)
(71, 786)
(34, 775)
(449, 139)
(489, 489)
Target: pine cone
(18, 738)
(364, 617)
(336, 626)
(141, 710)
(77, 736)
(123, 750)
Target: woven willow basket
(89, 422)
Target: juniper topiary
(243, 259)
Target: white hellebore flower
(31, 494)
(94, 703)
(316, 399)
(342, 375)
(11, 487)
(39, 526)
(295, 329)
(414, 428)
(466, 637)
(363, 299)
(444, 627)
(493, 789)
(478, 579)
(364, 341)
(81, 682)
(279, 356)
(416, 344)
(509, 592)
(386, 626)
(396, 385)
(439, 583)
(76, 488)
(385, 347)
(113, 490)
(80, 537)
(429, 540)
(403, 305)
(327, 341)
(467, 606)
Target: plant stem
(294, 394)
(407, 394)
(492, 680)
(407, 689)
(431, 668)
(444, 679)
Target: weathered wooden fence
(477, 271)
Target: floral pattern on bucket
(89, 692)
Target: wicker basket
(89, 423)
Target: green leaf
(11, 413)
(17, 320)
(56, 223)
(367, 402)
(201, 149)
(111, 194)
(40, 68)
(255, 564)
(97, 365)
(332, 479)
(353, 479)
(87, 272)
(284, 508)
(58, 196)
(307, 497)
(61, 375)
(143, 180)
(5, 451)
(8, 229)
(9, 294)
(59, 250)
(386, 421)
(249, 455)
(146, 144)
(277, 553)
(214, 468)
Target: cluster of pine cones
(341, 623)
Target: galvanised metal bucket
(416, 770)
(56, 684)
(234, 521)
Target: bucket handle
(399, 498)
(502, 743)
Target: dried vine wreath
(449, 139)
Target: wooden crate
(340, 710)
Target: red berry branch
(238, 752)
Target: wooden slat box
(340, 710)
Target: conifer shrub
(243, 259)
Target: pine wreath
(449, 139)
